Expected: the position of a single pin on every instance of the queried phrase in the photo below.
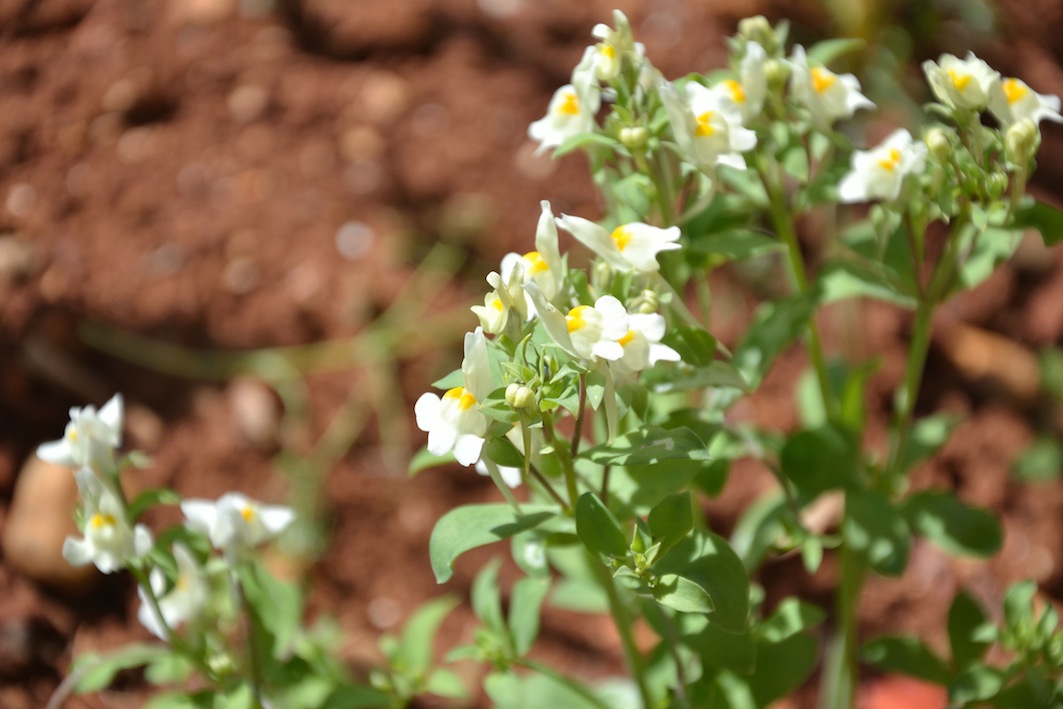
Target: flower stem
(623, 621)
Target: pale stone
(40, 518)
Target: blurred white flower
(572, 109)
(588, 332)
(707, 124)
(879, 173)
(1012, 100)
(185, 600)
(235, 523)
(454, 422)
(828, 96)
(751, 88)
(90, 438)
(961, 83)
(629, 247)
(108, 542)
(642, 344)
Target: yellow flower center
(248, 514)
(536, 263)
(738, 94)
(622, 236)
(705, 128)
(102, 519)
(1014, 90)
(569, 104)
(607, 50)
(822, 79)
(576, 318)
(627, 338)
(959, 80)
(465, 400)
(497, 304)
(890, 163)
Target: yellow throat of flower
(536, 263)
(102, 519)
(626, 339)
(577, 317)
(1014, 90)
(959, 80)
(823, 79)
(622, 237)
(569, 105)
(704, 127)
(738, 94)
(465, 400)
(891, 162)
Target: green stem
(623, 621)
(568, 468)
(577, 434)
(842, 669)
(577, 687)
(783, 223)
(913, 378)
(252, 644)
(153, 602)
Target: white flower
(879, 173)
(629, 247)
(961, 83)
(90, 438)
(828, 96)
(1012, 100)
(183, 603)
(751, 88)
(235, 523)
(108, 540)
(615, 46)
(588, 332)
(572, 109)
(707, 124)
(642, 344)
(454, 423)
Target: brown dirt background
(229, 175)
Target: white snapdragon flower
(629, 247)
(828, 96)
(454, 422)
(707, 124)
(572, 109)
(108, 542)
(1012, 100)
(545, 266)
(588, 332)
(642, 344)
(235, 523)
(90, 438)
(185, 600)
(614, 46)
(961, 83)
(879, 173)
(751, 89)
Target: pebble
(20, 199)
(16, 258)
(354, 240)
(200, 12)
(248, 102)
(241, 276)
(255, 412)
(361, 143)
(384, 96)
(38, 521)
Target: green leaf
(598, 528)
(908, 656)
(988, 250)
(278, 607)
(828, 50)
(718, 374)
(471, 526)
(1018, 604)
(454, 379)
(926, 438)
(524, 605)
(170, 669)
(758, 529)
(820, 459)
(791, 617)
(694, 344)
(841, 280)
(529, 553)
(782, 667)
(650, 445)
(1043, 217)
(1042, 461)
(150, 498)
(733, 245)
(671, 519)
(977, 684)
(711, 563)
(419, 634)
(486, 597)
(720, 649)
(965, 617)
(875, 530)
(952, 525)
(181, 700)
(795, 163)
(582, 140)
(356, 697)
(444, 683)
(98, 671)
(775, 325)
(423, 460)
(682, 594)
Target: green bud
(647, 302)
(519, 396)
(758, 29)
(997, 185)
(601, 274)
(937, 143)
(1022, 141)
(777, 73)
(634, 137)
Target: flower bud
(776, 73)
(997, 185)
(1022, 141)
(634, 137)
(646, 303)
(519, 396)
(758, 29)
(937, 142)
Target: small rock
(144, 428)
(21, 199)
(241, 276)
(248, 102)
(39, 520)
(255, 412)
(200, 12)
(16, 258)
(354, 240)
(384, 97)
